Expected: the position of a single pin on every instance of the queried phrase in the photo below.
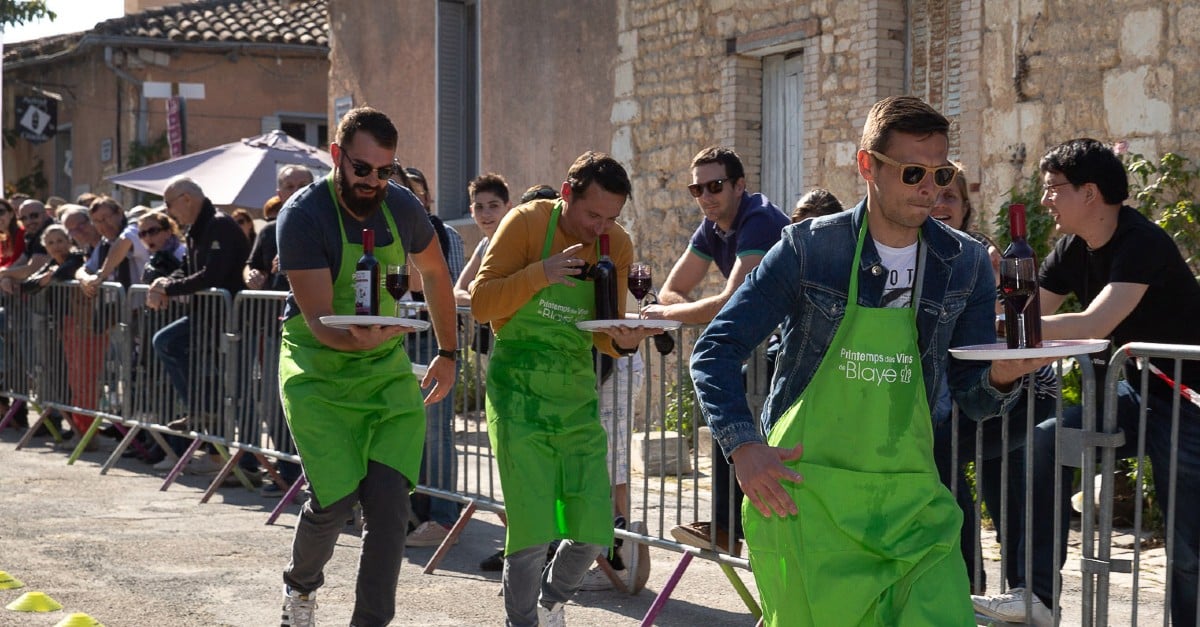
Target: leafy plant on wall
(1164, 191)
(144, 154)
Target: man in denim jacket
(802, 284)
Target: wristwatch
(447, 353)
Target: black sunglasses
(912, 174)
(363, 169)
(714, 187)
(29, 216)
(154, 230)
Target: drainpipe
(141, 124)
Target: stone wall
(697, 79)
(1130, 71)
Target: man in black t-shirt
(1134, 286)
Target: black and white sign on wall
(37, 118)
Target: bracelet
(625, 352)
(447, 353)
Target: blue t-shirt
(309, 238)
(755, 230)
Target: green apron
(348, 408)
(876, 539)
(544, 419)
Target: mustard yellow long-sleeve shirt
(511, 272)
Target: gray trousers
(383, 494)
(528, 580)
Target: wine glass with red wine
(396, 283)
(639, 281)
(1018, 286)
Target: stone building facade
(262, 66)
(1116, 70)
(788, 84)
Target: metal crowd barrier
(53, 338)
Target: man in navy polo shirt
(737, 230)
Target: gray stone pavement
(120, 550)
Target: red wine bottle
(1019, 286)
(366, 278)
(604, 277)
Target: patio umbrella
(241, 173)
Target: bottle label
(362, 292)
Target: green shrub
(468, 394)
(681, 407)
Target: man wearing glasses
(351, 399)
(846, 518)
(121, 255)
(737, 230)
(34, 219)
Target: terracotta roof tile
(297, 22)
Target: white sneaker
(166, 463)
(552, 617)
(427, 533)
(299, 610)
(595, 580)
(1010, 608)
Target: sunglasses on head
(154, 230)
(242, 221)
(912, 174)
(361, 170)
(714, 187)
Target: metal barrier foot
(84, 439)
(451, 537)
(129, 438)
(742, 591)
(13, 409)
(287, 498)
(612, 575)
(184, 460)
(33, 427)
(665, 594)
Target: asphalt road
(123, 552)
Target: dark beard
(361, 208)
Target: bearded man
(349, 394)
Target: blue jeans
(172, 345)
(439, 463)
(1158, 447)
(988, 476)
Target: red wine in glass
(1019, 289)
(395, 281)
(639, 287)
(397, 285)
(639, 280)
(1019, 286)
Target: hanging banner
(37, 118)
(175, 125)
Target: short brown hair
(372, 121)
(490, 182)
(903, 114)
(725, 156)
(817, 202)
(602, 169)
